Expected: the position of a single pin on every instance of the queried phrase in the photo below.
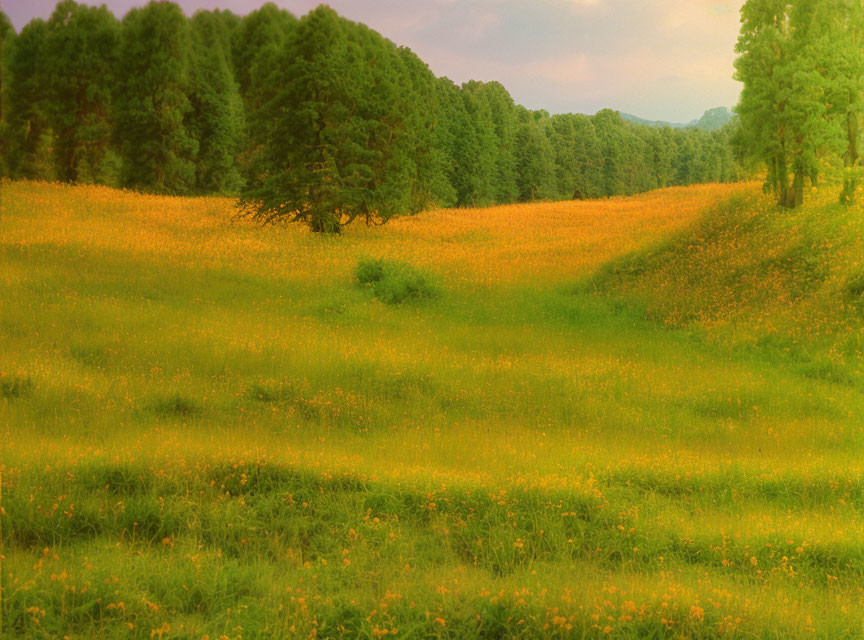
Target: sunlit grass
(211, 428)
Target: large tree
(81, 48)
(837, 45)
(152, 102)
(28, 135)
(7, 35)
(784, 101)
(335, 137)
(535, 158)
(216, 119)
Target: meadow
(632, 417)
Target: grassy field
(639, 417)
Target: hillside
(428, 429)
(712, 120)
(752, 275)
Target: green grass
(213, 429)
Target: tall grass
(209, 429)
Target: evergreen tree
(28, 134)
(152, 102)
(7, 35)
(535, 158)
(216, 120)
(419, 101)
(482, 164)
(81, 47)
(256, 44)
(336, 142)
(609, 126)
(455, 141)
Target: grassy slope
(255, 447)
(787, 284)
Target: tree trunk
(850, 160)
(798, 189)
(781, 182)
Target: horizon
(563, 56)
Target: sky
(658, 59)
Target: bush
(395, 282)
(369, 271)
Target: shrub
(369, 271)
(395, 282)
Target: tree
(609, 127)
(419, 101)
(455, 142)
(335, 140)
(81, 52)
(481, 162)
(838, 45)
(256, 43)
(7, 35)
(535, 158)
(216, 119)
(783, 105)
(152, 101)
(27, 132)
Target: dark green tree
(28, 135)
(216, 119)
(152, 101)
(257, 43)
(7, 35)
(419, 102)
(82, 48)
(455, 141)
(335, 139)
(535, 158)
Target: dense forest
(317, 119)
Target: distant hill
(711, 120)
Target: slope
(760, 278)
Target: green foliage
(801, 104)
(369, 271)
(216, 119)
(152, 100)
(82, 52)
(396, 282)
(7, 34)
(320, 121)
(338, 141)
(27, 134)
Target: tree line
(802, 65)
(317, 119)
